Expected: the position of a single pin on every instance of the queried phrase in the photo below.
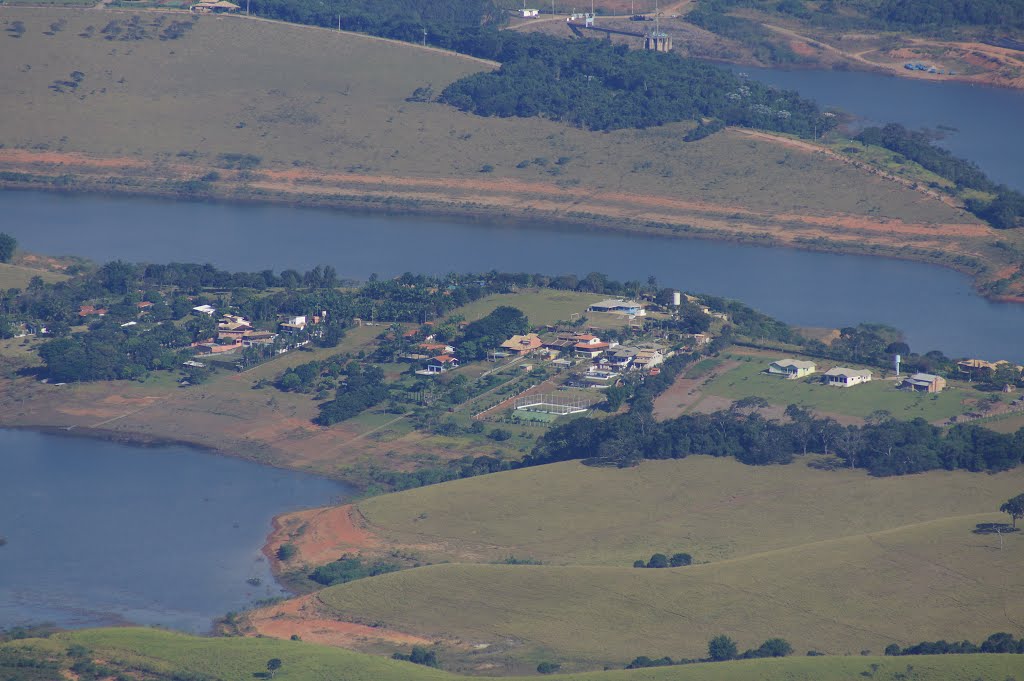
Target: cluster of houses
(844, 377)
(564, 349)
(980, 369)
(235, 331)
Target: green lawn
(542, 307)
(860, 401)
(235, 659)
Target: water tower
(677, 298)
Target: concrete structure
(624, 307)
(792, 368)
(658, 41)
(526, 13)
(208, 310)
(844, 378)
(924, 383)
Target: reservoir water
(986, 119)
(100, 533)
(935, 307)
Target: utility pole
(424, 37)
(339, 23)
(246, 7)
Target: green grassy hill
(568, 513)
(152, 654)
(923, 582)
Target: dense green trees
(722, 648)
(491, 331)
(593, 84)
(363, 388)
(419, 655)
(1001, 642)
(937, 14)
(7, 245)
(883, 447)
(1005, 211)
(347, 569)
(445, 21)
(1014, 508)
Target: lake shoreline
(878, 238)
(138, 439)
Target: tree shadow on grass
(994, 528)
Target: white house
(844, 378)
(440, 364)
(527, 13)
(792, 368)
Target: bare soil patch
(686, 392)
(321, 535)
(307, 618)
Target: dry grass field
(841, 596)
(301, 97)
(17, 276)
(234, 658)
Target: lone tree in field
(721, 648)
(7, 245)
(273, 665)
(1014, 508)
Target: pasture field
(715, 509)
(163, 652)
(920, 582)
(541, 306)
(748, 379)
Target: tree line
(1001, 642)
(884, 447)
(1004, 211)
(601, 86)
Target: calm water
(102, 533)
(936, 307)
(987, 119)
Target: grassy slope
(715, 509)
(16, 276)
(240, 658)
(929, 581)
(337, 101)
